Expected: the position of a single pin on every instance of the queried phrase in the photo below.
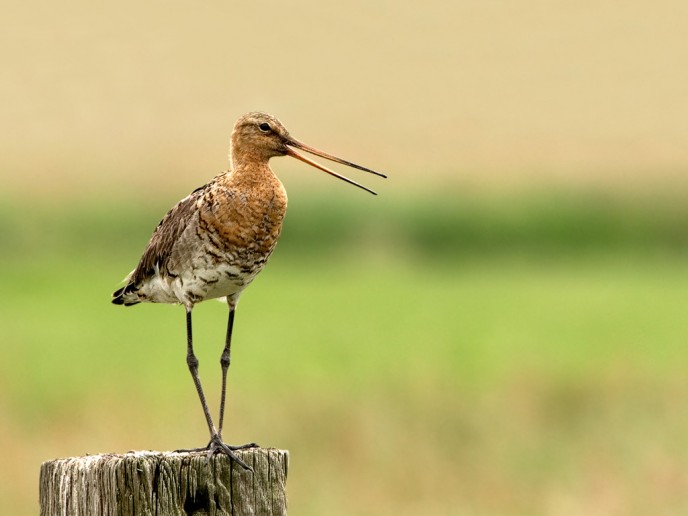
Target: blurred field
(533, 365)
(501, 331)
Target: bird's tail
(126, 296)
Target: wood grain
(151, 483)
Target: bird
(214, 242)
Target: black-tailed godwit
(217, 239)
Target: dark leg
(215, 445)
(192, 362)
(225, 360)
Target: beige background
(100, 95)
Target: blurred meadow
(501, 331)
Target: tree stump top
(150, 482)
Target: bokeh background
(501, 331)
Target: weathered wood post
(165, 483)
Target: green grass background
(444, 356)
(502, 331)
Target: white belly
(195, 286)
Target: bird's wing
(166, 234)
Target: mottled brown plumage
(216, 240)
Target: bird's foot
(217, 446)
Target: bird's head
(258, 137)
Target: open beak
(293, 153)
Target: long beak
(295, 143)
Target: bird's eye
(264, 127)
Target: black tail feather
(118, 297)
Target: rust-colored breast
(244, 218)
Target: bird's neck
(246, 157)
(252, 177)
(251, 172)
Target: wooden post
(157, 483)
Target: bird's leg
(225, 360)
(192, 362)
(215, 445)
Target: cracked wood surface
(162, 483)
